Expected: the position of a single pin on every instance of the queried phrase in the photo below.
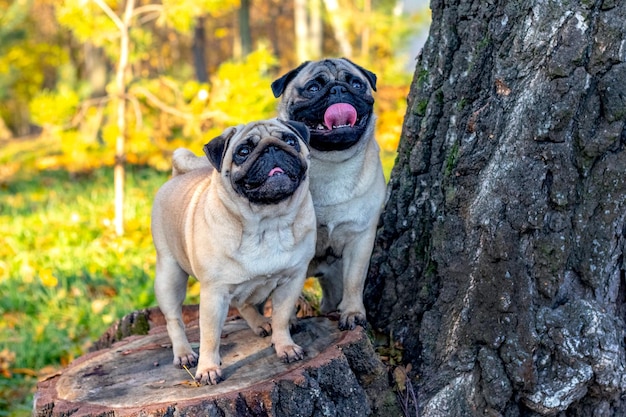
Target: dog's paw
(209, 376)
(186, 359)
(290, 353)
(263, 329)
(349, 320)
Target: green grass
(64, 274)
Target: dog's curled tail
(183, 161)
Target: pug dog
(333, 98)
(244, 227)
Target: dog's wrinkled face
(265, 161)
(332, 97)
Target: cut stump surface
(135, 376)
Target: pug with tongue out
(333, 98)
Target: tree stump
(134, 376)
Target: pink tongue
(340, 114)
(274, 171)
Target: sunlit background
(70, 263)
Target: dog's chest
(269, 251)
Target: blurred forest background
(94, 97)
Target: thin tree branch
(158, 8)
(138, 117)
(107, 10)
(155, 101)
(84, 106)
(148, 17)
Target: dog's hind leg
(259, 324)
(183, 161)
(331, 282)
(170, 287)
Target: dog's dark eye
(290, 140)
(313, 87)
(243, 151)
(357, 84)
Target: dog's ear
(371, 77)
(216, 148)
(300, 129)
(279, 85)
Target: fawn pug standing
(245, 228)
(333, 98)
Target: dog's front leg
(170, 287)
(284, 300)
(214, 301)
(356, 259)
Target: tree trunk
(119, 173)
(316, 29)
(499, 264)
(123, 24)
(199, 51)
(96, 69)
(302, 32)
(337, 19)
(244, 28)
(133, 375)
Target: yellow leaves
(54, 108)
(8, 249)
(311, 285)
(400, 375)
(69, 150)
(86, 21)
(193, 289)
(26, 58)
(390, 351)
(193, 379)
(181, 14)
(7, 358)
(12, 319)
(107, 318)
(221, 32)
(7, 362)
(98, 305)
(4, 270)
(27, 272)
(241, 89)
(405, 391)
(389, 128)
(47, 278)
(312, 293)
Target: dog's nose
(338, 89)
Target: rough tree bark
(499, 263)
